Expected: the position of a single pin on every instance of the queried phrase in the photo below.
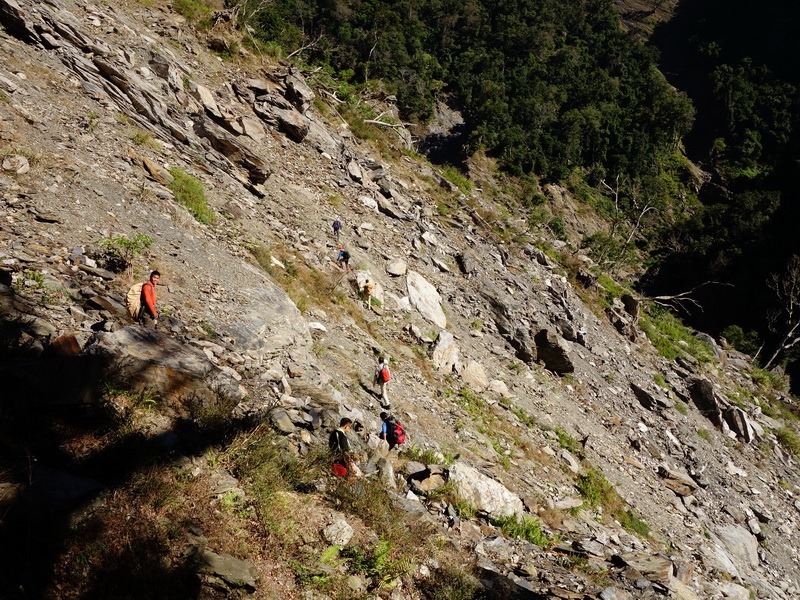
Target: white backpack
(133, 300)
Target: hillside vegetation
(568, 438)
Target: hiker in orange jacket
(149, 313)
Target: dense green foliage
(740, 67)
(548, 86)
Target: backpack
(133, 300)
(396, 432)
(384, 375)
(339, 469)
(337, 225)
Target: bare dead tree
(310, 46)
(784, 318)
(684, 300)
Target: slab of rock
(474, 376)
(268, 322)
(553, 352)
(227, 145)
(650, 400)
(742, 544)
(425, 299)
(155, 361)
(739, 423)
(206, 98)
(235, 572)
(396, 267)
(65, 345)
(298, 92)
(498, 388)
(652, 567)
(483, 492)
(16, 164)
(680, 483)
(429, 479)
(292, 123)
(282, 421)
(445, 353)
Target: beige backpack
(133, 300)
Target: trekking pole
(335, 285)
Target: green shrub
(671, 337)
(429, 456)
(527, 528)
(457, 178)
(747, 342)
(789, 439)
(770, 380)
(189, 192)
(632, 522)
(568, 442)
(596, 490)
(194, 11)
(452, 584)
(119, 251)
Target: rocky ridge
(453, 307)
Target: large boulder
(702, 393)
(161, 364)
(268, 323)
(484, 493)
(425, 299)
(553, 352)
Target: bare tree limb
(684, 299)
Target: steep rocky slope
(533, 392)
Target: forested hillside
(547, 86)
(740, 67)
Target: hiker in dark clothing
(337, 226)
(343, 259)
(339, 444)
(386, 429)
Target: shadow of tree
(50, 476)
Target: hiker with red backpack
(148, 316)
(339, 445)
(382, 377)
(392, 430)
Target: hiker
(148, 316)
(337, 226)
(339, 444)
(382, 377)
(392, 430)
(343, 259)
(366, 291)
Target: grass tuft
(190, 193)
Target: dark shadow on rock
(446, 148)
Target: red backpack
(398, 433)
(385, 375)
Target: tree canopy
(547, 86)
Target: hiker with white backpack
(141, 301)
